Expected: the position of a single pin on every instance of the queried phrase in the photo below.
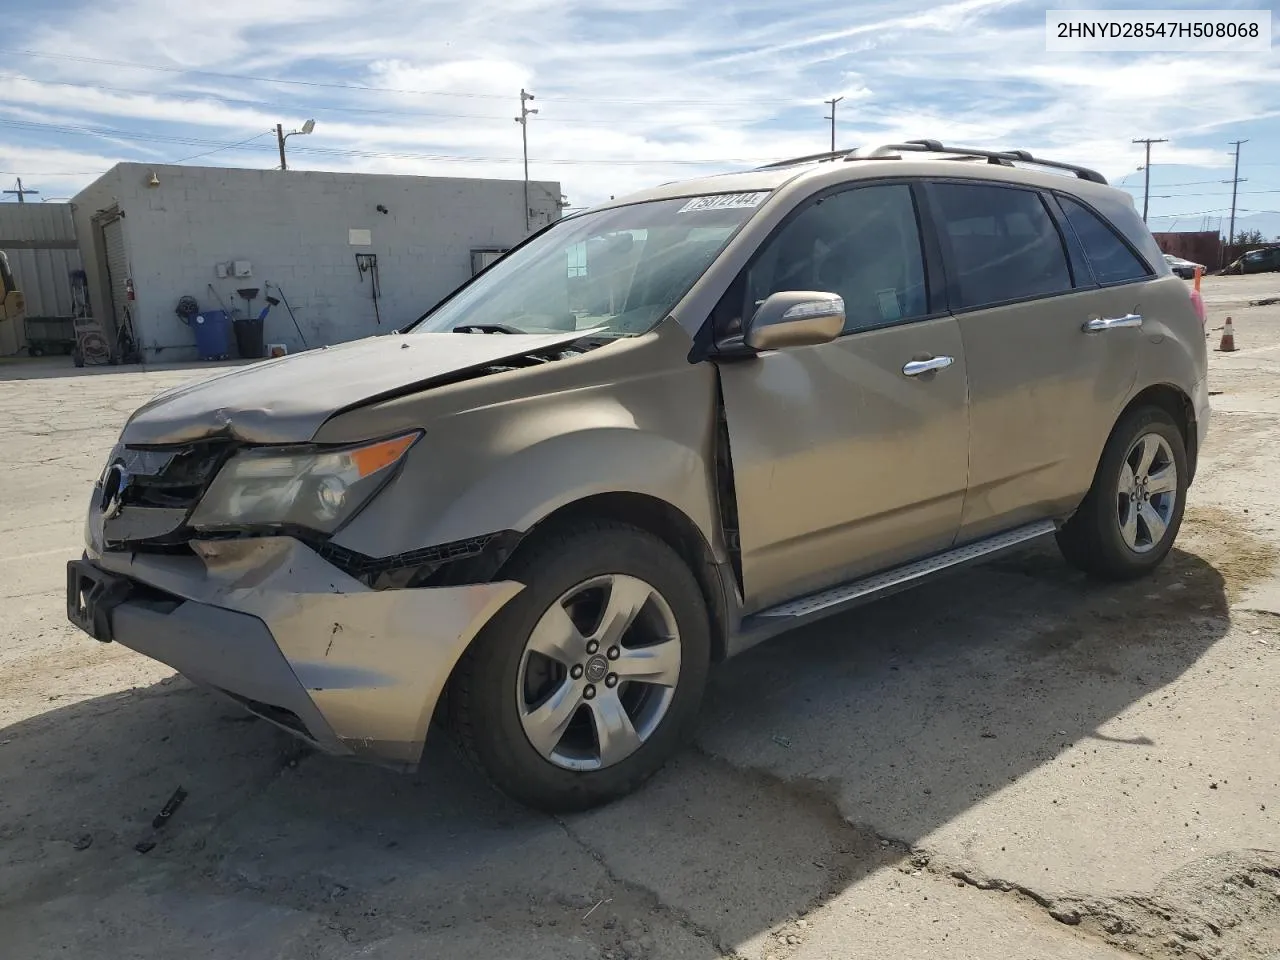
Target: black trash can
(249, 335)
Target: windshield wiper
(485, 328)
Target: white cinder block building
(150, 234)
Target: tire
(1112, 539)
(504, 692)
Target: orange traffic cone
(1228, 343)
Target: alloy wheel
(1148, 492)
(598, 672)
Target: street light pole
(523, 120)
(281, 137)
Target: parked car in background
(652, 435)
(1263, 260)
(1186, 269)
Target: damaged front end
(217, 557)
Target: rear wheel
(1128, 521)
(590, 678)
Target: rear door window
(1003, 244)
(1109, 256)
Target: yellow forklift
(12, 304)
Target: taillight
(1197, 301)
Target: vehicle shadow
(821, 757)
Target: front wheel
(1128, 521)
(591, 677)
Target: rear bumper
(355, 671)
(1200, 401)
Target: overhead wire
(112, 133)
(231, 146)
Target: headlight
(319, 489)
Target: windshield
(617, 272)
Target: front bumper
(355, 671)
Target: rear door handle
(917, 367)
(1113, 323)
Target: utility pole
(523, 120)
(1146, 169)
(833, 101)
(284, 164)
(21, 191)
(1235, 183)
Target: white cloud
(629, 85)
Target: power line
(359, 86)
(50, 173)
(1187, 183)
(1181, 196)
(231, 146)
(108, 133)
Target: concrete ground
(1011, 763)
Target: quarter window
(1110, 257)
(863, 244)
(1004, 244)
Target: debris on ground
(169, 809)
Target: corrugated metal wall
(40, 225)
(40, 241)
(43, 276)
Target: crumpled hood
(287, 400)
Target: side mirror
(795, 318)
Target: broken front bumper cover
(295, 640)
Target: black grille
(461, 561)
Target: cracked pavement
(1009, 762)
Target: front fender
(507, 465)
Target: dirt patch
(1226, 906)
(1221, 538)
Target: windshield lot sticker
(725, 201)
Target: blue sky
(629, 92)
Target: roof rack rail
(1002, 157)
(808, 158)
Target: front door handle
(917, 367)
(1113, 323)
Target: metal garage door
(117, 269)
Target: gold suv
(649, 437)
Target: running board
(833, 600)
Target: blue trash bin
(213, 334)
